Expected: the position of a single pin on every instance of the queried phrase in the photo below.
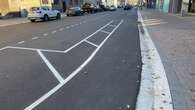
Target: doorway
(64, 6)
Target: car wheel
(32, 20)
(46, 18)
(58, 16)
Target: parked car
(88, 8)
(98, 9)
(112, 8)
(128, 7)
(44, 13)
(75, 11)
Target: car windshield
(35, 8)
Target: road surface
(89, 62)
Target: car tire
(32, 20)
(45, 18)
(58, 16)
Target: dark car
(74, 11)
(88, 8)
(128, 7)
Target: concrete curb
(154, 91)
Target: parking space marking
(35, 49)
(112, 25)
(105, 32)
(87, 37)
(50, 66)
(53, 32)
(35, 38)
(61, 29)
(21, 42)
(45, 34)
(91, 43)
(3, 48)
(72, 75)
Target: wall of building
(15, 6)
(166, 6)
(4, 6)
(133, 2)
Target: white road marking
(154, 82)
(53, 32)
(105, 32)
(87, 37)
(35, 38)
(72, 75)
(61, 29)
(50, 66)
(45, 34)
(112, 25)
(91, 43)
(3, 48)
(67, 27)
(80, 23)
(35, 49)
(21, 42)
(71, 25)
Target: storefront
(191, 6)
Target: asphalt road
(89, 62)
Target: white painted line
(154, 88)
(112, 25)
(105, 32)
(35, 38)
(45, 34)
(61, 29)
(91, 43)
(76, 24)
(35, 49)
(67, 27)
(71, 25)
(86, 38)
(3, 48)
(72, 75)
(21, 42)
(53, 32)
(50, 66)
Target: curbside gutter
(154, 91)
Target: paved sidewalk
(174, 38)
(14, 21)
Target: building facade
(14, 7)
(176, 6)
(21, 7)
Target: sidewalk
(14, 21)
(174, 38)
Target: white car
(44, 13)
